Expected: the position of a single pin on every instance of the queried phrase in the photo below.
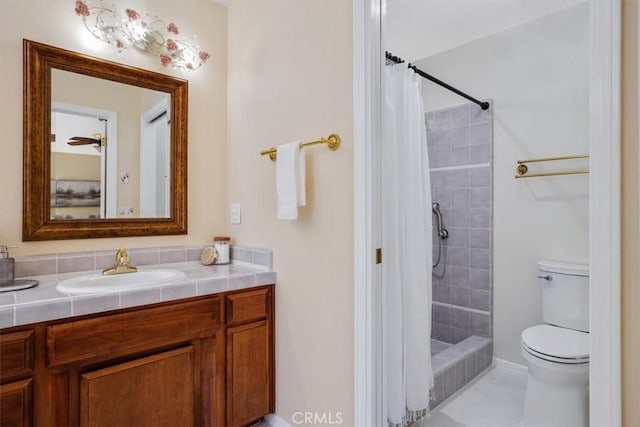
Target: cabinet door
(16, 404)
(249, 382)
(158, 390)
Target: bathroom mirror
(105, 148)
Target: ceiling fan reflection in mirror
(97, 141)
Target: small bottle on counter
(7, 265)
(221, 244)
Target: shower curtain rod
(392, 58)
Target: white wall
(415, 29)
(537, 74)
(54, 22)
(290, 78)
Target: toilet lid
(557, 342)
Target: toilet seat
(555, 344)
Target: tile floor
(494, 399)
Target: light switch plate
(235, 213)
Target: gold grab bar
(333, 143)
(522, 167)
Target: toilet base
(557, 395)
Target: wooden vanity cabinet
(181, 363)
(250, 385)
(140, 367)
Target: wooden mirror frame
(37, 224)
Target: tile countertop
(45, 302)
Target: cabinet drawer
(247, 306)
(16, 354)
(108, 337)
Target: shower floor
(438, 346)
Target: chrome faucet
(122, 264)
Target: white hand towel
(290, 180)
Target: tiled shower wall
(460, 142)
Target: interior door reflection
(78, 163)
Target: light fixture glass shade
(142, 31)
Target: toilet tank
(565, 294)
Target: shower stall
(460, 142)
(483, 284)
(455, 184)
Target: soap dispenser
(7, 265)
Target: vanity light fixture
(142, 31)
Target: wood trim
(73, 404)
(271, 298)
(209, 396)
(39, 59)
(221, 375)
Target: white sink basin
(97, 283)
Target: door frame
(111, 181)
(604, 210)
(368, 347)
(145, 139)
(605, 213)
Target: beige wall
(290, 78)
(79, 167)
(54, 22)
(75, 167)
(630, 220)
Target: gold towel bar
(522, 167)
(333, 143)
(571, 172)
(550, 159)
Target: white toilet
(557, 353)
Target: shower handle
(442, 232)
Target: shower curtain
(407, 243)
